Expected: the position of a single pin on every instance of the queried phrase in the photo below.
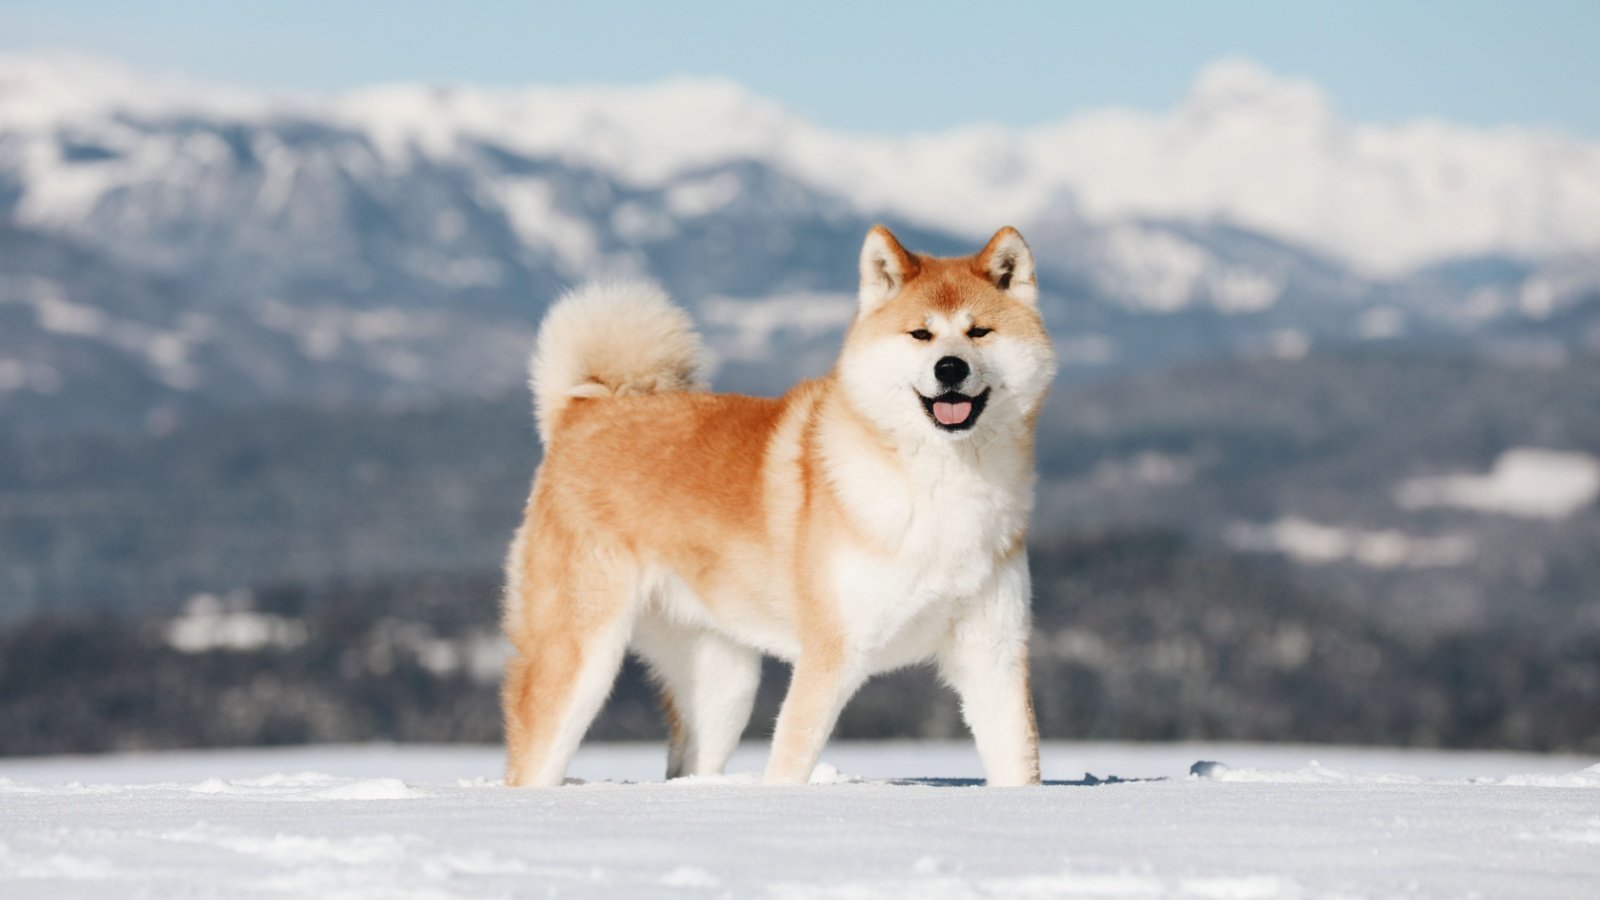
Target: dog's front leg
(822, 682)
(986, 660)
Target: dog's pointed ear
(885, 268)
(1008, 263)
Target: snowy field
(883, 820)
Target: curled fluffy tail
(611, 340)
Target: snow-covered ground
(884, 820)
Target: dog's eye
(922, 334)
(976, 332)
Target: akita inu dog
(862, 522)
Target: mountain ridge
(1244, 147)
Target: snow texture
(1525, 481)
(1176, 820)
(1315, 544)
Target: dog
(865, 521)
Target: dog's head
(947, 347)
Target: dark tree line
(1141, 635)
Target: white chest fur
(942, 518)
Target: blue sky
(878, 66)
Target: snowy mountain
(170, 245)
(1245, 146)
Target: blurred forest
(1140, 635)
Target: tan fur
(645, 479)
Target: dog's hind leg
(571, 629)
(708, 686)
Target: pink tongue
(952, 413)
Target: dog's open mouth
(954, 411)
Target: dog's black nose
(951, 371)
